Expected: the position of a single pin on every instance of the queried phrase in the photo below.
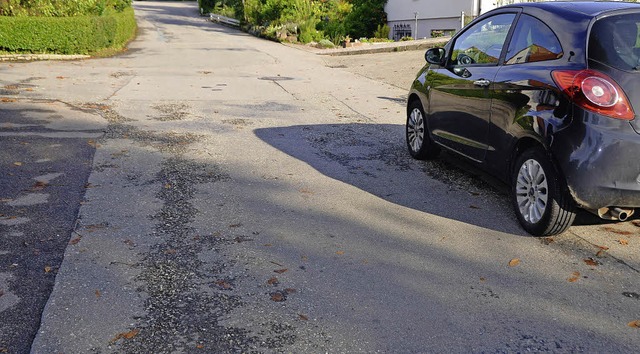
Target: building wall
(432, 15)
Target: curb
(371, 48)
(34, 57)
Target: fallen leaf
(305, 191)
(617, 231)
(75, 241)
(591, 262)
(303, 317)
(235, 225)
(278, 296)
(267, 245)
(223, 284)
(7, 100)
(276, 263)
(47, 269)
(634, 324)
(273, 281)
(340, 253)
(29, 89)
(39, 186)
(280, 271)
(604, 248)
(126, 335)
(17, 163)
(98, 294)
(574, 277)
(514, 262)
(547, 240)
(482, 279)
(200, 346)
(167, 186)
(60, 77)
(600, 253)
(623, 242)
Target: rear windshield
(614, 41)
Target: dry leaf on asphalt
(574, 277)
(303, 317)
(591, 262)
(17, 163)
(623, 242)
(126, 335)
(273, 281)
(280, 271)
(514, 262)
(634, 324)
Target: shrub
(67, 35)
(382, 31)
(325, 43)
(60, 8)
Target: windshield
(614, 41)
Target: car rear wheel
(540, 197)
(420, 145)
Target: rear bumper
(600, 159)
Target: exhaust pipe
(615, 213)
(621, 214)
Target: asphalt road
(215, 192)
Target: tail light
(595, 92)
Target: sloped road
(246, 196)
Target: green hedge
(67, 35)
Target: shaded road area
(244, 196)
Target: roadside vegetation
(322, 21)
(65, 26)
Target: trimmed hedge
(67, 35)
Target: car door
(460, 90)
(525, 98)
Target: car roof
(589, 8)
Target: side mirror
(435, 56)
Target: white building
(428, 18)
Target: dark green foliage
(365, 17)
(66, 35)
(61, 8)
(207, 6)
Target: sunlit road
(240, 195)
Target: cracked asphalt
(208, 191)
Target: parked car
(543, 96)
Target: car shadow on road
(373, 158)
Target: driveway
(248, 196)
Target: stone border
(34, 57)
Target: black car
(543, 96)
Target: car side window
(532, 41)
(482, 43)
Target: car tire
(419, 142)
(540, 196)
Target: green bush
(60, 8)
(67, 35)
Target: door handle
(482, 83)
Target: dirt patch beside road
(395, 68)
